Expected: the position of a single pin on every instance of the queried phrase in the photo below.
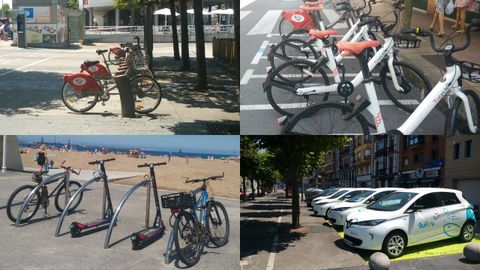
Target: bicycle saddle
(318, 34)
(357, 48)
(310, 8)
(89, 63)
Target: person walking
(462, 6)
(440, 17)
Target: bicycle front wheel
(289, 49)
(147, 94)
(15, 202)
(77, 101)
(188, 239)
(327, 118)
(114, 59)
(218, 224)
(60, 198)
(415, 85)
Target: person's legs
(457, 19)
(441, 22)
(463, 14)
(434, 21)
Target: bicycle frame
(51, 179)
(200, 204)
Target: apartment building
(345, 160)
(330, 168)
(363, 158)
(385, 160)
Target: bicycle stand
(78, 229)
(149, 234)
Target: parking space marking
(244, 13)
(246, 77)
(245, 3)
(273, 252)
(29, 65)
(264, 76)
(266, 24)
(259, 53)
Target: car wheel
(326, 213)
(468, 232)
(394, 244)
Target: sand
(170, 177)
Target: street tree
(406, 16)
(294, 156)
(248, 161)
(200, 42)
(184, 33)
(72, 4)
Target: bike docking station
(126, 96)
(149, 234)
(35, 193)
(78, 229)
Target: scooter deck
(76, 228)
(141, 239)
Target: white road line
(266, 23)
(268, 107)
(273, 252)
(264, 76)
(244, 13)
(259, 53)
(277, 35)
(246, 77)
(29, 65)
(304, 57)
(244, 3)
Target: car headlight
(322, 203)
(341, 209)
(373, 222)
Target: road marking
(246, 76)
(260, 52)
(266, 24)
(244, 14)
(29, 65)
(273, 252)
(332, 16)
(264, 76)
(298, 35)
(244, 3)
(268, 107)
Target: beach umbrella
(204, 12)
(165, 12)
(228, 11)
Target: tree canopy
(129, 4)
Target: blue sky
(204, 144)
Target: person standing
(440, 17)
(462, 6)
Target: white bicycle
(341, 118)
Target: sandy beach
(169, 177)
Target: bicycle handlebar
(99, 52)
(218, 177)
(68, 168)
(100, 161)
(151, 164)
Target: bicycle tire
(79, 197)
(456, 122)
(86, 109)
(140, 93)
(289, 94)
(285, 24)
(13, 216)
(413, 86)
(297, 31)
(217, 207)
(279, 55)
(179, 232)
(113, 60)
(292, 125)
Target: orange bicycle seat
(357, 48)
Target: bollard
(126, 96)
(471, 251)
(379, 261)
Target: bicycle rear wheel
(415, 84)
(326, 119)
(60, 200)
(147, 94)
(289, 49)
(188, 239)
(218, 224)
(15, 202)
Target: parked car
(311, 193)
(338, 192)
(338, 213)
(322, 208)
(325, 193)
(411, 217)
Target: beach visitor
(42, 162)
(440, 17)
(462, 6)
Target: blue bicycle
(197, 222)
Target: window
(417, 158)
(413, 140)
(447, 198)
(405, 161)
(380, 145)
(434, 154)
(380, 163)
(427, 201)
(456, 151)
(468, 148)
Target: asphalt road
(259, 26)
(34, 246)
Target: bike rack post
(117, 212)
(169, 247)
(34, 191)
(126, 96)
(104, 202)
(67, 188)
(147, 210)
(72, 199)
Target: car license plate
(349, 243)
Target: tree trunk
(200, 41)
(148, 34)
(253, 189)
(184, 33)
(244, 189)
(176, 53)
(287, 186)
(295, 198)
(406, 17)
(236, 7)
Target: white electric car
(338, 213)
(411, 217)
(331, 198)
(323, 207)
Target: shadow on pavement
(267, 207)
(269, 214)
(222, 127)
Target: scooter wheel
(136, 242)
(75, 230)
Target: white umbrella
(204, 12)
(223, 11)
(165, 12)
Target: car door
(424, 223)
(453, 215)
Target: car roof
(425, 190)
(388, 188)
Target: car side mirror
(415, 208)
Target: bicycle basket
(138, 60)
(406, 41)
(470, 71)
(180, 200)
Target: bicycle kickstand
(168, 252)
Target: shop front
(429, 176)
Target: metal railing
(157, 29)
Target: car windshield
(392, 202)
(351, 194)
(328, 192)
(360, 197)
(338, 194)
